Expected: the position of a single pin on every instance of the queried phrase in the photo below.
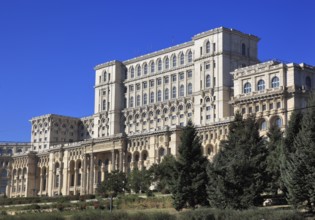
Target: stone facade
(7, 150)
(142, 104)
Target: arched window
(243, 49)
(159, 65)
(263, 125)
(182, 59)
(208, 80)
(208, 47)
(167, 63)
(105, 76)
(247, 87)
(174, 61)
(161, 152)
(174, 92)
(104, 105)
(152, 97)
(166, 94)
(189, 89)
(308, 82)
(145, 99)
(139, 71)
(278, 122)
(189, 56)
(275, 82)
(159, 96)
(145, 69)
(132, 72)
(138, 100)
(181, 90)
(152, 67)
(131, 102)
(261, 85)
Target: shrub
(229, 214)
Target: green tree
(237, 176)
(163, 172)
(287, 149)
(114, 184)
(139, 181)
(300, 175)
(273, 163)
(190, 177)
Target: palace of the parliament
(141, 106)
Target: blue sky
(48, 49)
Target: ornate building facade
(7, 149)
(142, 104)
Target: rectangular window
(189, 114)
(250, 110)
(130, 88)
(271, 106)
(181, 116)
(257, 108)
(189, 74)
(166, 79)
(151, 83)
(243, 110)
(200, 51)
(208, 108)
(208, 117)
(145, 85)
(278, 104)
(173, 78)
(181, 76)
(264, 107)
(79, 179)
(138, 86)
(158, 81)
(207, 66)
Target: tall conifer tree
(190, 177)
(237, 174)
(273, 163)
(287, 149)
(300, 175)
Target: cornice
(107, 64)
(159, 53)
(258, 96)
(226, 30)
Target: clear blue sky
(48, 49)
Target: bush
(2, 213)
(228, 214)
(85, 197)
(149, 193)
(31, 207)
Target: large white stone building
(142, 104)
